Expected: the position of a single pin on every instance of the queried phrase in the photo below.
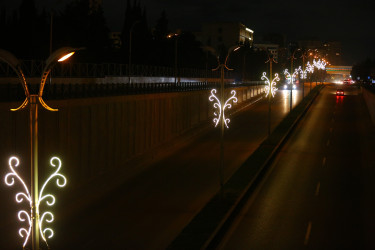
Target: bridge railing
(34, 68)
(14, 92)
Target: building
(273, 49)
(223, 35)
(332, 52)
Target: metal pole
(130, 52)
(34, 170)
(175, 60)
(291, 82)
(222, 128)
(269, 99)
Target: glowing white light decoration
(217, 104)
(303, 73)
(22, 215)
(309, 67)
(319, 64)
(291, 77)
(48, 198)
(270, 86)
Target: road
(151, 208)
(319, 191)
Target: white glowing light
(309, 67)
(270, 86)
(49, 199)
(22, 215)
(217, 104)
(319, 64)
(291, 77)
(303, 73)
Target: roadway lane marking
(324, 161)
(317, 189)
(308, 231)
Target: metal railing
(14, 92)
(34, 68)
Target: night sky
(353, 24)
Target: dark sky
(353, 24)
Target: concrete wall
(95, 137)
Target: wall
(110, 136)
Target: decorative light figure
(49, 198)
(270, 86)
(291, 77)
(218, 105)
(303, 73)
(309, 67)
(319, 64)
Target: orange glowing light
(66, 56)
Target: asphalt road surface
(320, 190)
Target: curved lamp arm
(57, 56)
(15, 64)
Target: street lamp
(130, 47)
(175, 36)
(290, 83)
(270, 88)
(221, 106)
(270, 91)
(35, 197)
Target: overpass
(338, 73)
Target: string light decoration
(221, 108)
(49, 199)
(270, 86)
(303, 73)
(319, 64)
(291, 77)
(309, 67)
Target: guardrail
(14, 92)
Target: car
(288, 86)
(340, 92)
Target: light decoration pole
(35, 228)
(291, 78)
(310, 69)
(175, 36)
(270, 91)
(221, 106)
(320, 65)
(130, 49)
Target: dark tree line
(364, 70)
(33, 34)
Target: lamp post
(291, 79)
(175, 36)
(36, 228)
(270, 88)
(270, 91)
(221, 106)
(310, 69)
(293, 74)
(130, 47)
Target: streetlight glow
(66, 56)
